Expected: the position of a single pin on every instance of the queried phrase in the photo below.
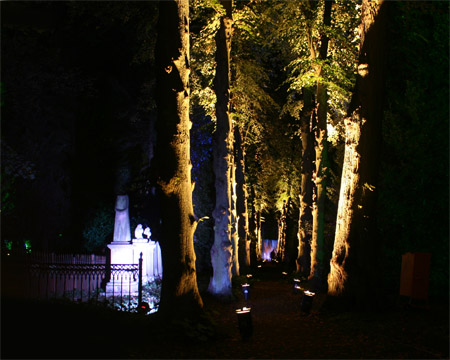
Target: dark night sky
(76, 105)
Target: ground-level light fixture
(249, 276)
(296, 289)
(307, 301)
(244, 317)
(143, 308)
(246, 291)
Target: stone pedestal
(122, 283)
(129, 253)
(145, 247)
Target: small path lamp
(296, 288)
(143, 308)
(307, 301)
(246, 291)
(244, 317)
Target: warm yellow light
(244, 310)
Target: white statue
(138, 232)
(147, 232)
(122, 221)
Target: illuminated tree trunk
(281, 246)
(353, 266)
(254, 226)
(222, 248)
(317, 243)
(258, 233)
(179, 293)
(306, 191)
(241, 204)
(234, 219)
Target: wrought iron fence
(92, 282)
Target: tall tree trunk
(317, 243)
(306, 191)
(258, 228)
(253, 230)
(353, 266)
(241, 205)
(179, 293)
(281, 246)
(234, 219)
(222, 248)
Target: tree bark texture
(258, 232)
(234, 219)
(353, 266)
(222, 248)
(179, 293)
(241, 204)
(253, 230)
(320, 173)
(282, 222)
(306, 191)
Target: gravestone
(125, 250)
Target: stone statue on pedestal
(122, 222)
(125, 250)
(138, 232)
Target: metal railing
(79, 282)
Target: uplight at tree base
(246, 291)
(296, 288)
(307, 301)
(244, 317)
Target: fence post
(140, 280)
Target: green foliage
(205, 21)
(8, 194)
(99, 228)
(338, 70)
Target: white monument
(151, 251)
(127, 251)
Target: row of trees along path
(173, 167)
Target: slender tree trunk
(317, 243)
(222, 249)
(258, 229)
(353, 266)
(306, 191)
(281, 247)
(179, 293)
(241, 205)
(234, 220)
(253, 230)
